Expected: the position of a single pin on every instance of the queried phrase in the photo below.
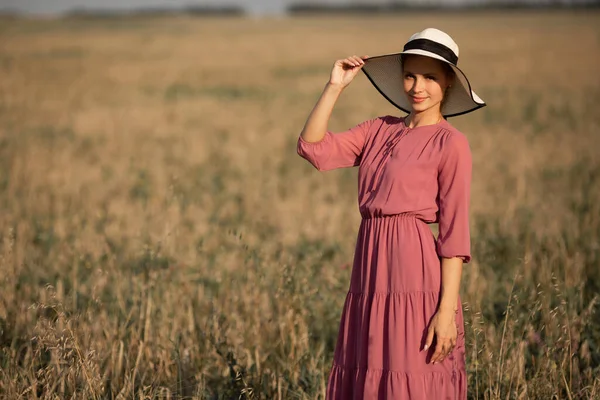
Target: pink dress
(407, 178)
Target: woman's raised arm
(322, 148)
(343, 72)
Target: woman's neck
(423, 118)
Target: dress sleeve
(454, 182)
(336, 150)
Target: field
(161, 238)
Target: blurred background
(161, 238)
(269, 7)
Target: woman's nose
(418, 85)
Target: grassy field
(161, 238)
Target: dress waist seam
(393, 293)
(366, 215)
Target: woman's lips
(418, 99)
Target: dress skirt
(394, 292)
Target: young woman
(401, 334)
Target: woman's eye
(408, 76)
(431, 78)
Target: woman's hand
(345, 70)
(443, 326)
(342, 74)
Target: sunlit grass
(162, 239)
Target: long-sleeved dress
(407, 179)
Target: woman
(401, 334)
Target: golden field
(162, 239)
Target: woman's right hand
(345, 70)
(342, 74)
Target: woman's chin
(419, 107)
(422, 106)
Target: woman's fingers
(442, 349)
(358, 60)
(353, 61)
(429, 338)
(347, 62)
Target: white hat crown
(438, 36)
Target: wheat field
(161, 238)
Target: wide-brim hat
(385, 73)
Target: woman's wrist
(450, 309)
(447, 306)
(334, 87)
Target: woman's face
(425, 81)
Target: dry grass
(162, 239)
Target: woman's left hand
(443, 326)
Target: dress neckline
(443, 122)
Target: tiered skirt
(394, 292)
